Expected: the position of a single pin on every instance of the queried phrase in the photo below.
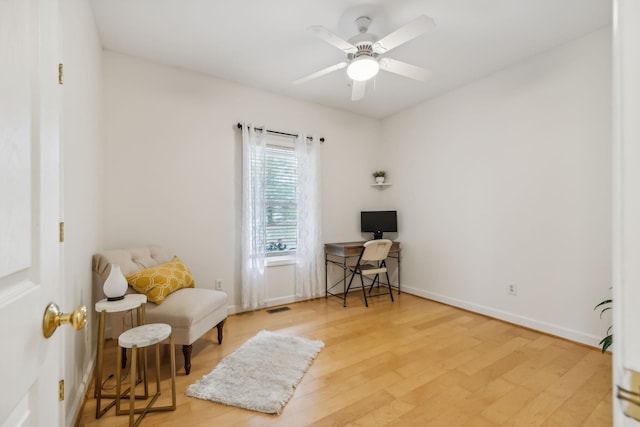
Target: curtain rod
(281, 133)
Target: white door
(29, 212)
(626, 211)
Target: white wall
(173, 164)
(507, 180)
(80, 157)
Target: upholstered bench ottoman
(191, 312)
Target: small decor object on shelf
(379, 176)
(116, 285)
(276, 246)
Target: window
(280, 196)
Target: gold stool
(142, 337)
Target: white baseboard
(527, 322)
(282, 300)
(78, 399)
(273, 302)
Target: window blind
(280, 198)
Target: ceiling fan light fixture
(363, 68)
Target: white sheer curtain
(253, 218)
(309, 251)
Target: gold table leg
(100, 365)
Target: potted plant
(379, 176)
(607, 340)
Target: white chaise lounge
(190, 311)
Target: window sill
(274, 261)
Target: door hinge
(60, 74)
(61, 390)
(630, 396)
(61, 226)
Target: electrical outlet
(512, 289)
(218, 284)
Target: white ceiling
(266, 44)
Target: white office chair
(371, 262)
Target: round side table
(130, 302)
(139, 338)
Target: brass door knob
(53, 318)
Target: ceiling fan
(365, 53)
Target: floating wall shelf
(381, 186)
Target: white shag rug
(261, 375)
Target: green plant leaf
(607, 301)
(606, 342)
(603, 310)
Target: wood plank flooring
(414, 362)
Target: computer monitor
(377, 222)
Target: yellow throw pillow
(159, 281)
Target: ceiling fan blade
(404, 69)
(320, 73)
(333, 39)
(403, 34)
(357, 90)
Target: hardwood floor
(414, 362)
